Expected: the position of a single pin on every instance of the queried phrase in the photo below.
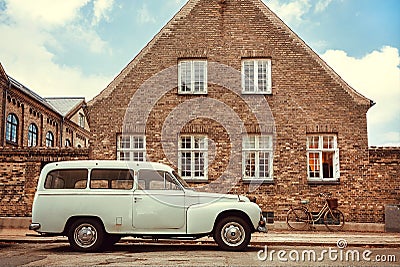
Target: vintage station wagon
(95, 203)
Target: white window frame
(189, 68)
(251, 81)
(319, 144)
(193, 150)
(133, 148)
(258, 145)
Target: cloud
(377, 76)
(36, 30)
(322, 5)
(290, 12)
(47, 13)
(101, 9)
(144, 15)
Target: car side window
(156, 180)
(111, 179)
(66, 179)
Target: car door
(158, 203)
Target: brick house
(35, 131)
(233, 99)
(29, 120)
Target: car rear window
(66, 179)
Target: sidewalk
(272, 238)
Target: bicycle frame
(299, 216)
(317, 217)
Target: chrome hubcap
(85, 235)
(233, 234)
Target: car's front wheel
(232, 233)
(86, 235)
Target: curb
(210, 242)
(24, 222)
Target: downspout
(4, 113)
(61, 131)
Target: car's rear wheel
(86, 235)
(232, 233)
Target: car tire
(232, 233)
(86, 235)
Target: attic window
(256, 76)
(192, 77)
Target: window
(68, 143)
(32, 135)
(192, 77)
(256, 76)
(111, 179)
(257, 157)
(131, 148)
(157, 180)
(12, 128)
(193, 157)
(49, 139)
(323, 157)
(81, 120)
(66, 179)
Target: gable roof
(65, 105)
(182, 13)
(269, 15)
(30, 93)
(3, 73)
(359, 98)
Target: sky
(77, 47)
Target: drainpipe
(2, 143)
(61, 131)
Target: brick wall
(307, 97)
(19, 172)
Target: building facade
(29, 120)
(237, 102)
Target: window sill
(324, 182)
(205, 180)
(11, 143)
(258, 181)
(256, 93)
(192, 93)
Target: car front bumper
(34, 226)
(262, 225)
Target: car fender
(201, 218)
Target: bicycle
(299, 217)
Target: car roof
(90, 164)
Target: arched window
(12, 128)
(49, 139)
(32, 135)
(67, 143)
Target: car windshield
(181, 181)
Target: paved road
(162, 254)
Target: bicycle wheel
(334, 220)
(297, 218)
